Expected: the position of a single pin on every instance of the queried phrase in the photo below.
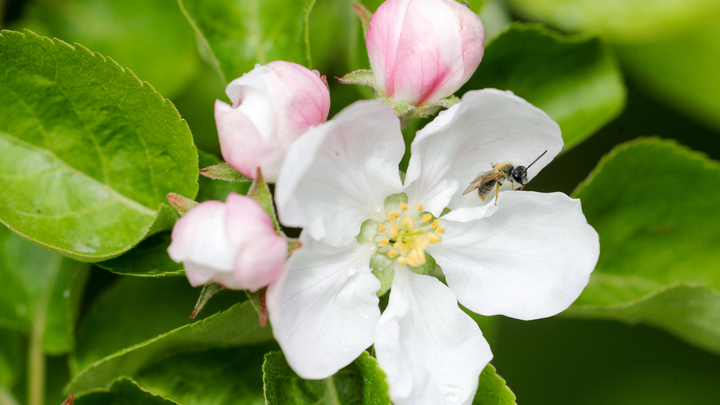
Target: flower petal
(242, 145)
(531, 259)
(488, 126)
(423, 50)
(431, 351)
(324, 309)
(338, 174)
(199, 237)
(272, 106)
(260, 250)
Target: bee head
(519, 175)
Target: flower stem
(36, 364)
(332, 391)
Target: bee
(501, 172)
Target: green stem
(36, 364)
(332, 391)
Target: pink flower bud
(423, 50)
(233, 244)
(272, 105)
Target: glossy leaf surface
(123, 391)
(89, 150)
(361, 382)
(241, 34)
(652, 203)
(237, 326)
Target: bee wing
(483, 178)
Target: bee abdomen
(486, 188)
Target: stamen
(406, 235)
(434, 238)
(416, 258)
(407, 223)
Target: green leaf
(260, 192)
(143, 309)
(150, 37)
(619, 20)
(492, 389)
(572, 78)
(123, 391)
(89, 151)
(680, 69)
(361, 382)
(237, 326)
(148, 259)
(241, 34)
(41, 292)
(212, 189)
(231, 376)
(654, 204)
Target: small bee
(501, 172)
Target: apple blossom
(365, 231)
(423, 50)
(272, 106)
(232, 244)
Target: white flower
(527, 257)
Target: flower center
(406, 233)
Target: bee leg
(497, 190)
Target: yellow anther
(385, 242)
(403, 248)
(434, 238)
(391, 216)
(416, 257)
(394, 230)
(426, 218)
(422, 241)
(381, 228)
(392, 253)
(403, 206)
(436, 223)
(402, 261)
(420, 207)
(439, 230)
(407, 223)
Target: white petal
(431, 351)
(338, 174)
(200, 237)
(488, 126)
(324, 310)
(531, 259)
